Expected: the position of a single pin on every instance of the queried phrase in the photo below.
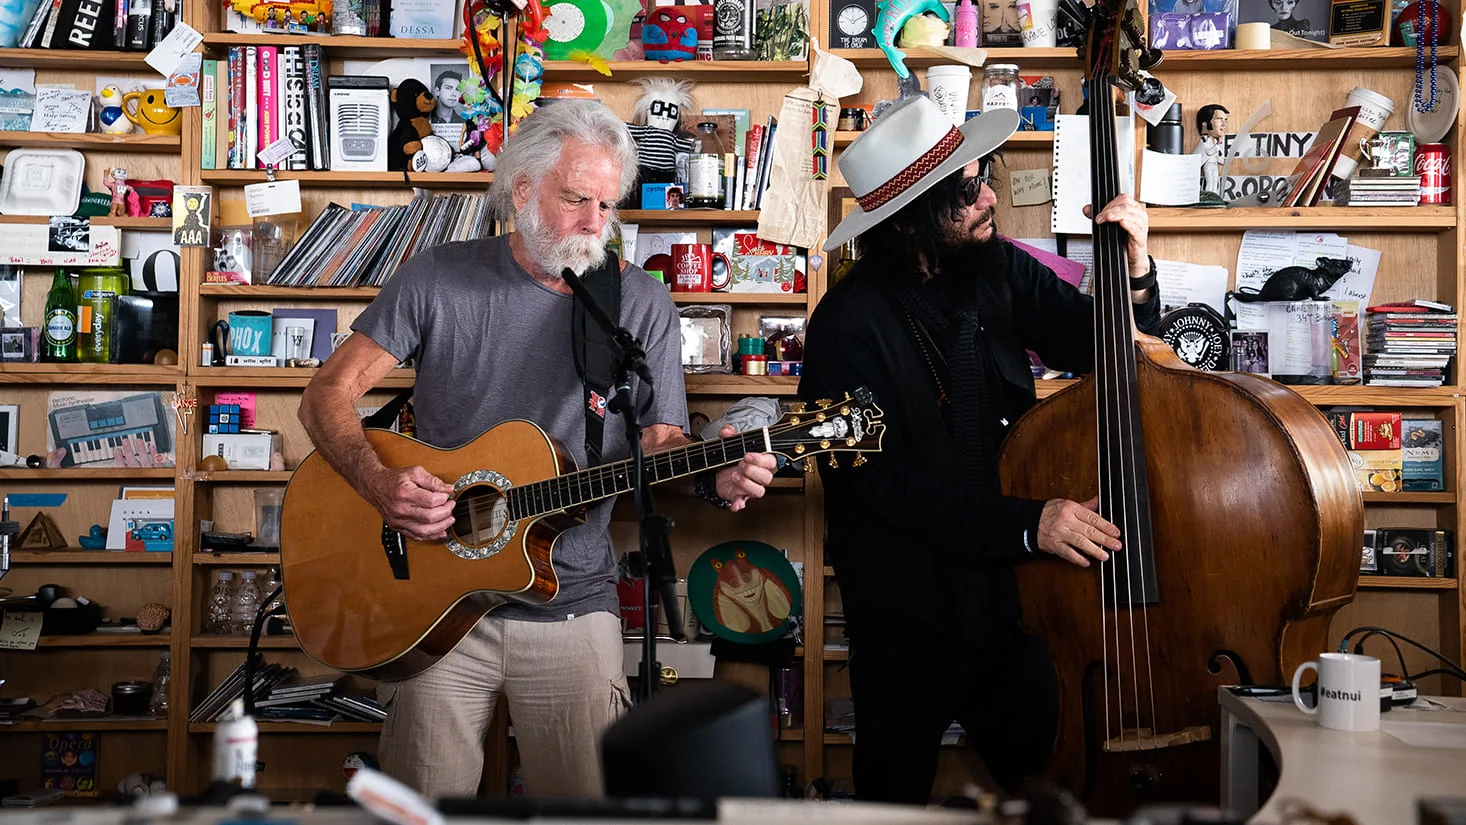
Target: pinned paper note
(169, 52)
(281, 197)
(61, 110)
(20, 630)
(1170, 180)
(277, 152)
(183, 83)
(1030, 187)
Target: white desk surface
(1373, 776)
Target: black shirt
(915, 550)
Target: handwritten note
(169, 52)
(61, 110)
(1170, 180)
(20, 630)
(1030, 187)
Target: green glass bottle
(59, 334)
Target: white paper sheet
(1170, 180)
(1071, 170)
(1182, 283)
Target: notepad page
(1071, 170)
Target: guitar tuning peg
(808, 465)
(833, 462)
(796, 407)
(859, 460)
(823, 402)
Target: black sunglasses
(972, 187)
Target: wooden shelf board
(920, 58)
(1356, 58)
(1410, 498)
(204, 557)
(689, 217)
(73, 474)
(298, 727)
(700, 71)
(97, 723)
(73, 59)
(791, 735)
(838, 739)
(1330, 394)
(358, 46)
(157, 224)
(836, 655)
(106, 640)
(41, 373)
(251, 292)
(213, 640)
(431, 180)
(279, 377)
(242, 477)
(1369, 219)
(1018, 139)
(76, 556)
(1404, 583)
(138, 142)
(744, 298)
(719, 384)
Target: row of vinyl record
(365, 246)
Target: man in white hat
(935, 319)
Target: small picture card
(183, 84)
(192, 210)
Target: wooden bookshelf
(205, 557)
(727, 384)
(1405, 583)
(258, 292)
(348, 46)
(138, 142)
(93, 723)
(215, 640)
(242, 477)
(1359, 58)
(76, 556)
(1365, 218)
(1410, 498)
(689, 217)
(921, 58)
(433, 180)
(698, 71)
(111, 374)
(85, 474)
(742, 298)
(282, 377)
(153, 224)
(1020, 140)
(299, 727)
(73, 59)
(106, 640)
(1333, 394)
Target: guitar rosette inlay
(482, 525)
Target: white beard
(577, 253)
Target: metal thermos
(1166, 137)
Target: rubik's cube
(223, 418)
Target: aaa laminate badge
(1198, 334)
(744, 591)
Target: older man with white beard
(489, 325)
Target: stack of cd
(1381, 191)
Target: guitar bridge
(396, 549)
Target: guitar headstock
(852, 424)
(1115, 47)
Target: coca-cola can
(1433, 165)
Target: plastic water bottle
(161, 678)
(246, 602)
(221, 600)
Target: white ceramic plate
(1432, 126)
(41, 182)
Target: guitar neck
(609, 480)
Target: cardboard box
(243, 451)
(1421, 446)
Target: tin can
(1433, 165)
(206, 354)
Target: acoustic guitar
(365, 598)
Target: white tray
(41, 182)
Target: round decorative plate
(1433, 126)
(744, 591)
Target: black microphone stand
(659, 573)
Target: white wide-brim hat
(905, 152)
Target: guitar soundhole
(481, 515)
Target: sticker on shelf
(281, 197)
(183, 82)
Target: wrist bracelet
(1145, 281)
(705, 485)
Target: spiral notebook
(1071, 170)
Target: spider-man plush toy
(670, 34)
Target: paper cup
(1254, 36)
(1374, 110)
(947, 86)
(1036, 19)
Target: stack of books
(1410, 344)
(215, 706)
(364, 247)
(1379, 191)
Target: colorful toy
(483, 107)
(412, 103)
(670, 33)
(656, 126)
(124, 198)
(287, 15)
(892, 15)
(111, 117)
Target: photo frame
(707, 338)
(10, 427)
(20, 344)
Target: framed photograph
(20, 343)
(707, 338)
(9, 427)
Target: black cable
(1451, 667)
(262, 612)
(1437, 671)
(1359, 648)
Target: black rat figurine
(1297, 283)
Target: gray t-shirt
(492, 344)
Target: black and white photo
(9, 427)
(69, 235)
(444, 79)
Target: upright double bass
(1239, 515)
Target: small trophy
(1380, 151)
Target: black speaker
(146, 323)
(698, 739)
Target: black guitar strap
(596, 355)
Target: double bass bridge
(1145, 739)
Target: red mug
(692, 268)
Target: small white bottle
(236, 747)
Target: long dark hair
(918, 232)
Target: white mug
(1348, 691)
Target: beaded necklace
(1420, 104)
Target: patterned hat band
(919, 168)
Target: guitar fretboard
(575, 489)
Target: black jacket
(916, 550)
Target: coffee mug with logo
(692, 268)
(249, 332)
(1348, 691)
